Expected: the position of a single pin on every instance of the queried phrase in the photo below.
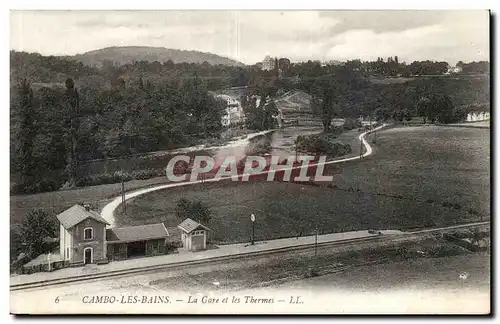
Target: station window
(88, 233)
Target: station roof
(76, 214)
(136, 233)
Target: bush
(312, 272)
(336, 130)
(445, 250)
(147, 174)
(43, 185)
(172, 247)
(472, 211)
(429, 223)
(322, 144)
(117, 176)
(350, 123)
(17, 264)
(452, 205)
(258, 145)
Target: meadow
(418, 177)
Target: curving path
(108, 211)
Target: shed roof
(76, 214)
(136, 233)
(189, 225)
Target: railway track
(405, 236)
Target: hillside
(129, 54)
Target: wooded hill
(129, 54)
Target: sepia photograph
(313, 162)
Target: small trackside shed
(143, 240)
(193, 235)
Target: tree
(183, 208)
(263, 116)
(26, 132)
(381, 114)
(445, 109)
(476, 67)
(327, 92)
(196, 210)
(203, 110)
(284, 64)
(72, 107)
(201, 212)
(33, 231)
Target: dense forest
(64, 112)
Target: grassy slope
(428, 166)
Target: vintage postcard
(250, 162)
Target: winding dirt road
(108, 211)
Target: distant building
(454, 69)
(333, 62)
(478, 116)
(257, 100)
(269, 63)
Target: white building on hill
(269, 63)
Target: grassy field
(418, 177)
(57, 201)
(343, 264)
(432, 276)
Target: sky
(248, 36)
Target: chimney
(87, 207)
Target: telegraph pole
(123, 196)
(252, 218)
(316, 244)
